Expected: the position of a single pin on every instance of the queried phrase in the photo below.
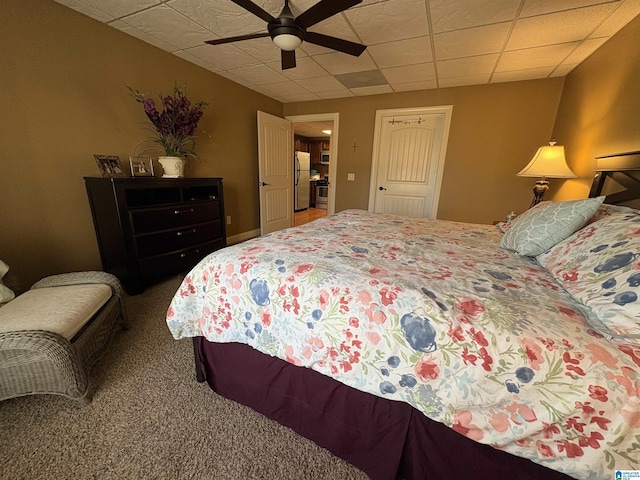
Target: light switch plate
(351, 177)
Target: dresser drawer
(148, 228)
(151, 244)
(174, 262)
(152, 219)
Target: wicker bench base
(39, 362)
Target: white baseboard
(241, 237)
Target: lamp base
(539, 190)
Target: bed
(419, 349)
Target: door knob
(381, 188)
(262, 184)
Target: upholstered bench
(51, 335)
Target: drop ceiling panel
(259, 75)
(377, 90)
(448, 15)
(224, 18)
(411, 44)
(466, 80)
(336, 26)
(303, 97)
(228, 55)
(89, 11)
(540, 7)
(145, 37)
(460, 67)
(557, 27)
(262, 49)
(517, 75)
(395, 20)
(340, 93)
(189, 57)
(585, 49)
(412, 86)
(618, 19)
(410, 73)
(336, 63)
(535, 57)
(118, 8)
(170, 25)
(472, 41)
(402, 52)
(283, 88)
(326, 83)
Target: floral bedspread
(435, 314)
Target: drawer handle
(182, 255)
(186, 210)
(179, 234)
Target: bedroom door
(275, 172)
(408, 160)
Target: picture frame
(141, 166)
(110, 165)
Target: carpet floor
(150, 419)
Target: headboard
(624, 170)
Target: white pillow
(541, 227)
(5, 292)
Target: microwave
(324, 157)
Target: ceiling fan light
(287, 41)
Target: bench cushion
(63, 310)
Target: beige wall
(63, 98)
(495, 130)
(600, 109)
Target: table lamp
(549, 161)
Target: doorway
(408, 160)
(311, 126)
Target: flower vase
(173, 166)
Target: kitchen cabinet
(300, 144)
(149, 228)
(314, 150)
(315, 146)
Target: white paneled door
(408, 160)
(275, 169)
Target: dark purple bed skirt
(383, 438)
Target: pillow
(5, 292)
(600, 267)
(605, 210)
(541, 227)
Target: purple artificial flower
(176, 124)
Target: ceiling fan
(288, 32)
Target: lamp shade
(549, 161)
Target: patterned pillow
(541, 227)
(600, 267)
(605, 210)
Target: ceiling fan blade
(323, 10)
(334, 43)
(220, 41)
(249, 6)
(288, 59)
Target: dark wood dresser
(149, 228)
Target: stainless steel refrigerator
(302, 165)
